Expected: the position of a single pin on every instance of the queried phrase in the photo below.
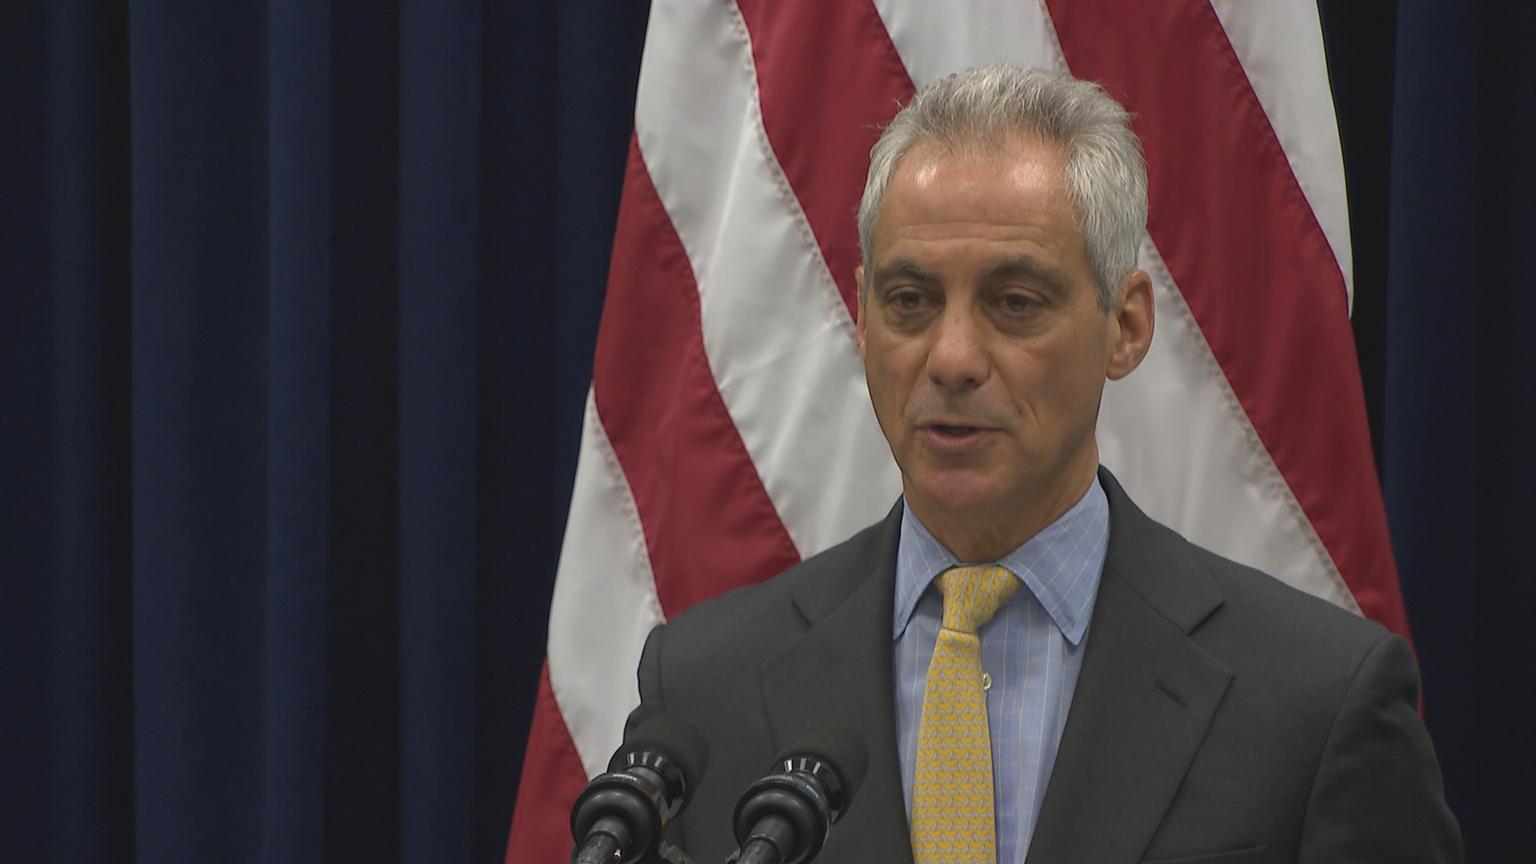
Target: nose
(957, 358)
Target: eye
(905, 299)
(1017, 304)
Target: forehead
(1011, 189)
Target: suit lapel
(1144, 699)
(838, 675)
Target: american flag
(728, 433)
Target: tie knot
(972, 595)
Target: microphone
(784, 818)
(619, 818)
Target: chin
(959, 496)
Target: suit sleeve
(1377, 795)
(648, 676)
(651, 702)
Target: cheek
(888, 392)
(1078, 387)
(1050, 385)
(894, 377)
(891, 375)
(893, 366)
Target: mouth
(954, 437)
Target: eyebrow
(1025, 267)
(1016, 267)
(902, 267)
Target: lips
(954, 437)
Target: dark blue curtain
(297, 303)
(297, 306)
(1459, 397)
(1437, 109)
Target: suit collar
(1144, 699)
(828, 582)
(1159, 565)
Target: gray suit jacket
(1220, 716)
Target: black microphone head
(839, 750)
(670, 745)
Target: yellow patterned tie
(952, 810)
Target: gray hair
(1106, 174)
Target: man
(1037, 669)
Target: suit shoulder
(1284, 634)
(824, 577)
(1230, 607)
(1258, 595)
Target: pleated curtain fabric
(953, 815)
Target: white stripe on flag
(936, 39)
(604, 604)
(779, 340)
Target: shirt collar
(1060, 565)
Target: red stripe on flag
(1247, 253)
(708, 521)
(552, 778)
(828, 78)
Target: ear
(1133, 313)
(858, 318)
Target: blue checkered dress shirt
(1032, 649)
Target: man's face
(985, 350)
